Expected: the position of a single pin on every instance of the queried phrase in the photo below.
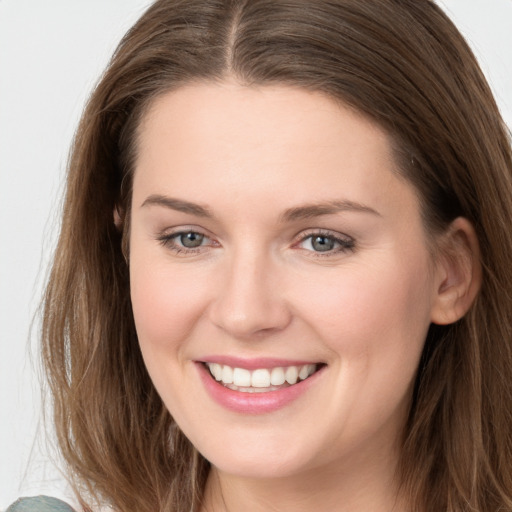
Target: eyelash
(344, 244)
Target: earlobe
(458, 272)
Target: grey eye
(191, 239)
(322, 243)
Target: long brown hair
(403, 64)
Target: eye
(190, 240)
(186, 241)
(326, 243)
(322, 243)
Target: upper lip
(255, 363)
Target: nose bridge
(249, 300)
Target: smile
(260, 380)
(257, 386)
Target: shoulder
(39, 504)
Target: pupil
(322, 243)
(191, 240)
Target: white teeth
(262, 379)
(241, 377)
(277, 377)
(227, 374)
(291, 375)
(216, 370)
(303, 372)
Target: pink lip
(254, 403)
(254, 363)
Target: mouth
(260, 380)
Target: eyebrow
(307, 211)
(178, 204)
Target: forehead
(253, 115)
(283, 143)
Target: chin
(257, 468)
(274, 460)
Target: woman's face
(272, 236)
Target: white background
(51, 54)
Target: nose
(250, 301)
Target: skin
(257, 288)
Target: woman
(282, 278)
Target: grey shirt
(39, 504)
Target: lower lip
(254, 403)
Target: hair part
(401, 63)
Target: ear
(118, 218)
(458, 272)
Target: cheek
(375, 313)
(166, 301)
(374, 322)
(167, 305)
